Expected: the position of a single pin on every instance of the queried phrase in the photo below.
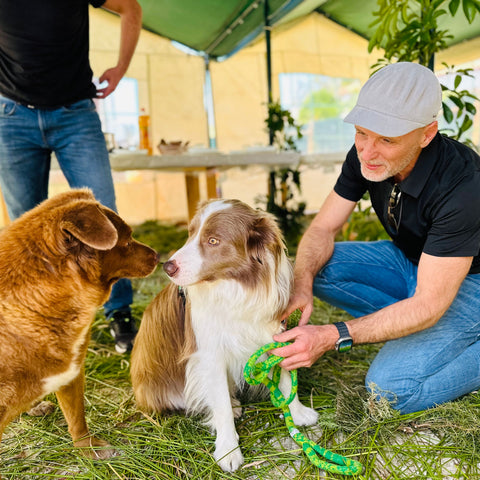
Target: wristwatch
(345, 341)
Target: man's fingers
(306, 314)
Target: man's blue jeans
(28, 136)
(421, 370)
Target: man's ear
(429, 133)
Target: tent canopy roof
(219, 28)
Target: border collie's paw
(227, 452)
(303, 415)
(230, 461)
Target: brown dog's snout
(170, 267)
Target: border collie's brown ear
(264, 234)
(88, 224)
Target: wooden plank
(193, 191)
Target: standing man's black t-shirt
(44, 47)
(439, 204)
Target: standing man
(46, 106)
(419, 292)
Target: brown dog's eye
(213, 241)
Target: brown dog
(58, 263)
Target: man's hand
(302, 301)
(310, 342)
(112, 76)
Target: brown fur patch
(58, 263)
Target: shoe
(123, 330)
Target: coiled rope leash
(256, 373)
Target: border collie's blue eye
(213, 241)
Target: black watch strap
(345, 341)
(342, 329)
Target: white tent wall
(311, 45)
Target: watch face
(344, 345)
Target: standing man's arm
(131, 23)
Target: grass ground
(442, 443)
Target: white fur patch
(189, 258)
(53, 383)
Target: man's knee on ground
(402, 393)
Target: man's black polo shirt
(439, 207)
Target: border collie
(231, 283)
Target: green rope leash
(256, 373)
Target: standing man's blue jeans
(28, 136)
(421, 370)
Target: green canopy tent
(219, 28)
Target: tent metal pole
(266, 12)
(209, 106)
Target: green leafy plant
(459, 106)
(408, 31)
(282, 127)
(284, 183)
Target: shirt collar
(416, 181)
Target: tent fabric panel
(215, 27)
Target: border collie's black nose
(170, 267)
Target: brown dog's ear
(265, 234)
(87, 223)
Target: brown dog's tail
(158, 356)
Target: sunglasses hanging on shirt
(394, 209)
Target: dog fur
(58, 263)
(190, 356)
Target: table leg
(211, 176)
(193, 192)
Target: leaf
(469, 9)
(436, 4)
(466, 124)
(457, 101)
(372, 43)
(447, 113)
(405, 16)
(453, 7)
(458, 81)
(470, 107)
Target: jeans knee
(402, 393)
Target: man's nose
(368, 150)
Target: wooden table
(209, 162)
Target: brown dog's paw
(95, 448)
(41, 409)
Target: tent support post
(266, 11)
(209, 106)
